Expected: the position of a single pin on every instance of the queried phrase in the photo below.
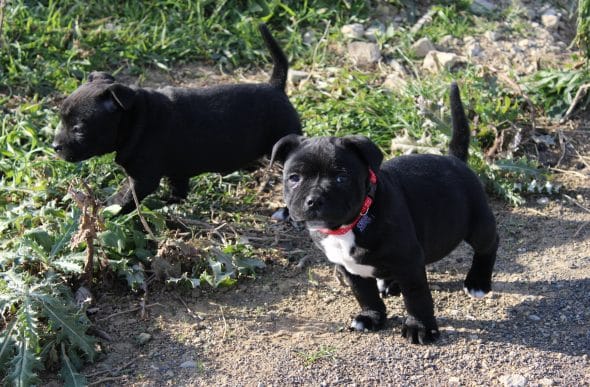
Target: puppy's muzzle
(57, 147)
(313, 202)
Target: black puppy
(382, 223)
(176, 132)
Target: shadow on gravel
(553, 316)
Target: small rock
(482, 7)
(373, 31)
(534, 317)
(543, 201)
(189, 364)
(448, 41)
(353, 31)
(514, 380)
(296, 76)
(546, 382)
(473, 49)
(308, 37)
(435, 61)
(169, 374)
(550, 19)
(397, 67)
(524, 43)
(143, 338)
(422, 47)
(394, 82)
(492, 36)
(363, 53)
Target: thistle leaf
(24, 364)
(63, 318)
(6, 347)
(69, 373)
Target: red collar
(364, 209)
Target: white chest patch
(338, 247)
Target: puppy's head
(326, 179)
(90, 118)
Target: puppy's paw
(388, 288)
(173, 199)
(370, 320)
(475, 287)
(417, 333)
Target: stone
(373, 31)
(353, 31)
(422, 47)
(492, 36)
(546, 382)
(534, 317)
(308, 37)
(363, 53)
(296, 76)
(394, 83)
(551, 22)
(189, 364)
(514, 380)
(449, 41)
(397, 67)
(436, 61)
(482, 7)
(473, 48)
(143, 338)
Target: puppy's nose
(56, 147)
(313, 202)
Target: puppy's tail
(459, 146)
(278, 78)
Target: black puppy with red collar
(382, 223)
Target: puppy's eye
(77, 128)
(341, 179)
(294, 178)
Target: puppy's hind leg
(179, 189)
(484, 240)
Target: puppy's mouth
(316, 219)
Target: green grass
(312, 357)
(47, 48)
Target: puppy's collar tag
(363, 219)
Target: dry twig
(90, 224)
(128, 311)
(581, 93)
(145, 224)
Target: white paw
(474, 293)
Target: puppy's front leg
(124, 197)
(420, 326)
(372, 315)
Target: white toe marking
(381, 285)
(475, 293)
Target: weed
(311, 357)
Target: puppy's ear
(100, 77)
(283, 147)
(121, 95)
(366, 149)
